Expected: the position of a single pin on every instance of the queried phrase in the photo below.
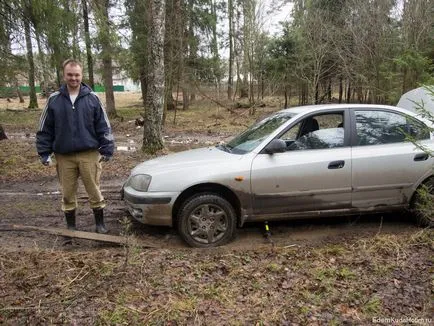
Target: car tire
(424, 215)
(206, 220)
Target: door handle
(336, 164)
(421, 157)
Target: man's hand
(105, 158)
(45, 160)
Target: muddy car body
(322, 160)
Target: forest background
(326, 51)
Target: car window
(417, 129)
(319, 139)
(383, 127)
(253, 136)
(316, 132)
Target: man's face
(72, 75)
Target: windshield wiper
(224, 147)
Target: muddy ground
(351, 270)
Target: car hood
(186, 159)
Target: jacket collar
(84, 90)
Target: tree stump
(2, 133)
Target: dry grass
(123, 99)
(203, 116)
(327, 284)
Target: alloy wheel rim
(207, 223)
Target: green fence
(116, 88)
(25, 90)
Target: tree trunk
(20, 95)
(2, 133)
(169, 39)
(33, 100)
(108, 84)
(214, 46)
(349, 92)
(143, 85)
(58, 79)
(152, 133)
(193, 47)
(178, 48)
(185, 99)
(45, 74)
(88, 44)
(107, 64)
(341, 90)
(231, 49)
(304, 94)
(105, 41)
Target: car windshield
(253, 136)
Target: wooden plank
(79, 234)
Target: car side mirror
(275, 146)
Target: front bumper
(153, 208)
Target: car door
(385, 165)
(314, 173)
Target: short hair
(72, 62)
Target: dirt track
(38, 204)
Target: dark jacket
(67, 128)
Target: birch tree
(152, 131)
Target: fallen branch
(77, 234)
(213, 99)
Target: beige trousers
(74, 165)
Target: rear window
(383, 127)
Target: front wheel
(423, 204)
(207, 220)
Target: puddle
(49, 193)
(130, 146)
(188, 141)
(20, 135)
(126, 148)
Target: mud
(33, 204)
(37, 202)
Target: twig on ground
(213, 99)
(380, 227)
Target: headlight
(140, 182)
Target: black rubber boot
(99, 221)
(70, 219)
(70, 225)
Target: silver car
(309, 161)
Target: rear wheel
(206, 220)
(423, 204)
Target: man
(74, 126)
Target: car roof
(306, 109)
(319, 107)
(330, 107)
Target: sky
(273, 19)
